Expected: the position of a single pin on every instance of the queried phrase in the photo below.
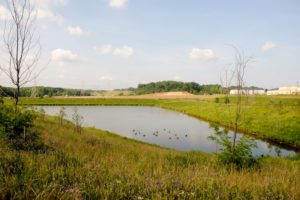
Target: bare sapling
(21, 45)
(232, 151)
(61, 115)
(77, 120)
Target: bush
(226, 100)
(17, 127)
(239, 155)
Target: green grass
(101, 165)
(79, 101)
(275, 118)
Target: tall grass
(101, 165)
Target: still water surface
(158, 126)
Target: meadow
(102, 165)
(274, 118)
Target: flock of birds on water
(156, 134)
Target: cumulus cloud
(76, 31)
(44, 9)
(123, 52)
(117, 3)
(49, 15)
(201, 54)
(268, 46)
(49, 3)
(4, 13)
(63, 55)
(106, 49)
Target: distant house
(285, 90)
(289, 90)
(249, 92)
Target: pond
(159, 126)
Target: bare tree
(233, 151)
(21, 44)
(77, 120)
(241, 63)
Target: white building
(289, 90)
(250, 92)
(272, 92)
(285, 90)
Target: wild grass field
(275, 118)
(101, 165)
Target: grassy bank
(274, 118)
(100, 165)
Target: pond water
(158, 126)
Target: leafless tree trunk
(21, 44)
(241, 63)
(237, 78)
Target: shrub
(226, 100)
(17, 127)
(239, 154)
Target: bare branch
(21, 44)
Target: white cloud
(106, 49)
(44, 9)
(201, 54)
(49, 15)
(268, 46)
(4, 13)
(46, 4)
(123, 52)
(63, 55)
(76, 31)
(117, 3)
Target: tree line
(169, 86)
(41, 91)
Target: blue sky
(106, 44)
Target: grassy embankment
(274, 118)
(101, 165)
